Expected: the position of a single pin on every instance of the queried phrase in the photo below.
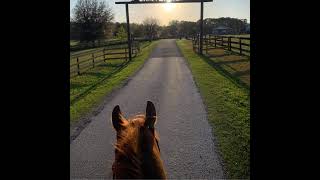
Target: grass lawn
(87, 51)
(88, 90)
(234, 44)
(74, 42)
(232, 64)
(239, 35)
(85, 57)
(228, 107)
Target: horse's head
(137, 152)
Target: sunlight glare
(168, 6)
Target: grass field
(87, 51)
(234, 44)
(239, 35)
(231, 64)
(85, 56)
(88, 90)
(74, 42)
(228, 107)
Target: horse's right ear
(118, 120)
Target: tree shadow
(104, 78)
(234, 77)
(76, 85)
(98, 74)
(233, 61)
(111, 65)
(242, 73)
(95, 74)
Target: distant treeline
(93, 20)
(175, 29)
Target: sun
(168, 7)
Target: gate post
(201, 28)
(128, 32)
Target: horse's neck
(153, 167)
(126, 167)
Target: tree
(121, 34)
(174, 28)
(137, 30)
(151, 26)
(74, 31)
(92, 18)
(187, 28)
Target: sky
(187, 12)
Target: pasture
(228, 54)
(232, 65)
(88, 89)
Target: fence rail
(83, 62)
(239, 45)
(101, 43)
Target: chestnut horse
(137, 152)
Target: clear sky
(188, 12)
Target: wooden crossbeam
(162, 1)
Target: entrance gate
(163, 1)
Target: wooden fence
(101, 43)
(83, 62)
(239, 45)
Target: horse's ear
(151, 115)
(118, 120)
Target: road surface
(186, 142)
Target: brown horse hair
(137, 152)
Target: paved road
(186, 142)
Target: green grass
(85, 57)
(239, 35)
(89, 50)
(97, 83)
(228, 106)
(234, 45)
(74, 42)
(232, 64)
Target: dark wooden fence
(239, 45)
(101, 43)
(81, 63)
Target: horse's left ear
(151, 115)
(118, 120)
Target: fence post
(93, 60)
(78, 65)
(104, 55)
(240, 46)
(221, 41)
(125, 52)
(229, 39)
(207, 44)
(215, 41)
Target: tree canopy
(91, 18)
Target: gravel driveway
(186, 142)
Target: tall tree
(173, 28)
(137, 30)
(92, 17)
(121, 34)
(151, 26)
